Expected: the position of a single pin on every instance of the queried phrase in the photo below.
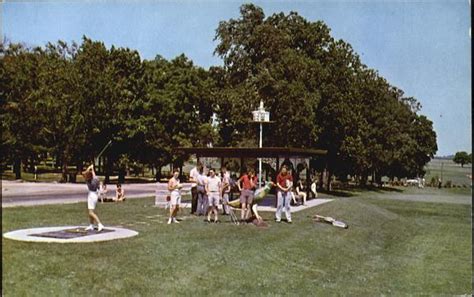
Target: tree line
(69, 100)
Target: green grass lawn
(391, 248)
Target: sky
(422, 47)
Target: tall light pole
(260, 116)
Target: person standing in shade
(284, 184)
(225, 190)
(314, 187)
(174, 187)
(193, 177)
(92, 182)
(213, 190)
(202, 202)
(246, 184)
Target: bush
(448, 184)
(434, 181)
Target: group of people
(119, 193)
(209, 190)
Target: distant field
(450, 171)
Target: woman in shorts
(174, 187)
(92, 182)
(247, 184)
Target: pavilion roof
(252, 152)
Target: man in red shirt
(284, 184)
(249, 182)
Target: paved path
(16, 193)
(446, 198)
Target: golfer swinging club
(92, 182)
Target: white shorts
(92, 200)
(213, 198)
(175, 198)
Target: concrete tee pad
(69, 234)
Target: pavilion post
(308, 177)
(260, 160)
(277, 172)
(260, 116)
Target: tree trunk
(328, 181)
(57, 162)
(99, 166)
(72, 177)
(64, 172)
(378, 179)
(107, 170)
(80, 167)
(121, 175)
(17, 168)
(363, 179)
(320, 181)
(158, 173)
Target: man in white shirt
(193, 177)
(213, 189)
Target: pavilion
(243, 153)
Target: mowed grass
(390, 248)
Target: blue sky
(422, 47)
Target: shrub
(448, 184)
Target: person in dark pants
(202, 203)
(193, 178)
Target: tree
(264, 60)
(22, 121)
(178, 109)
(320, 95)
(462, 158)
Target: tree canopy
(69, 100)
(462, 158)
